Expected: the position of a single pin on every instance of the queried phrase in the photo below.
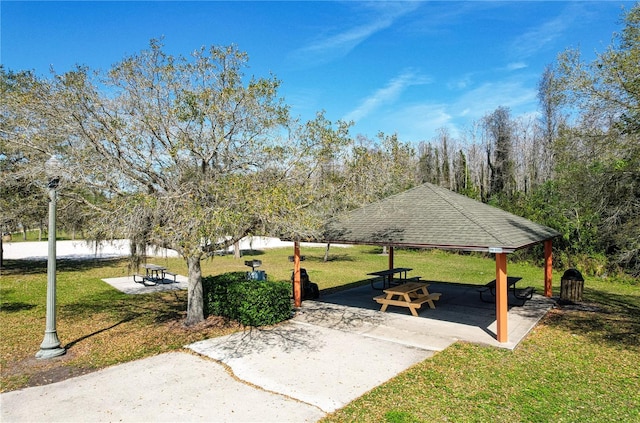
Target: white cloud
(420, 122)
(412, 123)
(516, 66)
(540, 37)
(484, 99)
(460, 83)
(386, 95)
(340, 44)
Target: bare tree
(551, 120)
(427, 163)
(499, 130)
(381, 167)
(25, 134)
(444, 139)
(185, 153)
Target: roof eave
(470, 248)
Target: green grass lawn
(35, 235)
(579, 364)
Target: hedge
(250, 302)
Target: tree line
(192, 154)
(575, 167)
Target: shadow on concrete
(460, 314)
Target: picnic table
(522, 295)
(153, 273)
(388, 277)
(410, 294)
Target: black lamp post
(50, 346)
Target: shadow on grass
(249, 253)
(130, 306)
(35, 267)
(332, 258)
(82, 338)
(7, 307)
(151, 309)
(606, 317)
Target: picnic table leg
(407, 299)
(385, 305)
(425, 292)
(429, 301)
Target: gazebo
(429, 216)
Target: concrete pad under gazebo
(429, 216)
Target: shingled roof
(429, 216)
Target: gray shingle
(429, 216)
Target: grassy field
(579, 364)
(35, 235)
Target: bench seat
(137, 278)
(524, 294)
(412, 279)
(165, 273)
(416, 302)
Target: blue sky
(409, 68)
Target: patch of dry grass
(98, 325)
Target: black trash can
(571, 286)
(310, 290)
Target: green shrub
(252, 303)
(259, 303)
(587, 264)
(215, 292)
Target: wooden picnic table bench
(410, 294)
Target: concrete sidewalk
(324, 358)
(173, 387)
(294, 372)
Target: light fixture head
(53, 168)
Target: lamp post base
(50, 353)
(50, 346)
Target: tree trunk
(195, 301)
(236, 250)
(326, 253)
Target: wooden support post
(548, 268)
(501, 297)
(297, 285)
(390, 257)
